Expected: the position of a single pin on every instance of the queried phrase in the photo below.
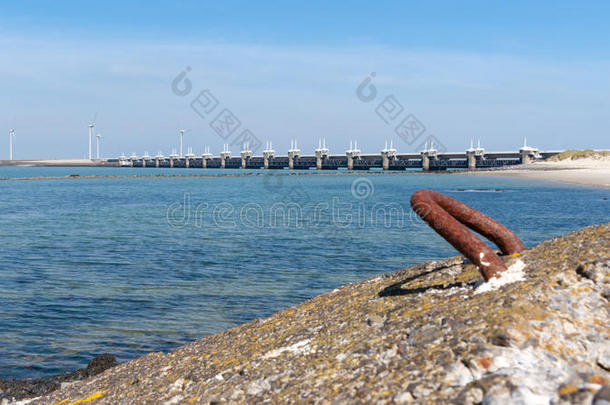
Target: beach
(587, 171)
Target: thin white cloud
(306, 92)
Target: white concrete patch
(23, 401)
(258, 387)
(458, 375)
(301, 347)
(514, 273)
(65, 385)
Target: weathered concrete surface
(420, 334)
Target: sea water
(133, 265)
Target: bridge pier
(428, 154)
(246, 154)
(472, 154)
(385, 161)
(171, 162)
(525, 159)
(321, 153)
(319, 160)
(387, 155)
(158, 159)
(351, 154)
(321, 157)
(472, 160)
(425, 161)
(224, 156)
(526, 156)
(350, 161)
(291, 157)
(293, 153)
(527, 153)
(143, 162)
(205, 156)
(268, 154)
(187, 158)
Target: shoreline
(213, 175)
(586, 172)
(18, 389)
(58, 163)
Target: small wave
(479, 190)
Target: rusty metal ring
(448, 217)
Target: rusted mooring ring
(448, 217)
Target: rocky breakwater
(428, 333)
(12, 390)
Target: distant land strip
(138, 176)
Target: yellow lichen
(567, 389)
(89, 398)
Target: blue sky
(492, 70)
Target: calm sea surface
(133, 265)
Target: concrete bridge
(387, 159)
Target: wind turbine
(91, 125)
(11, 135)
(97, 149)
(182, 132)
